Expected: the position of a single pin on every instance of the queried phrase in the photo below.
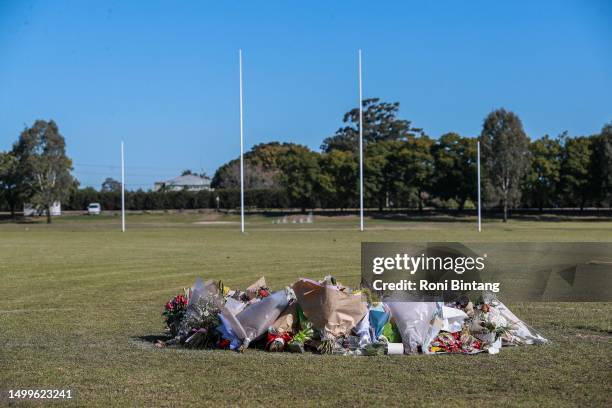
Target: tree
(602, 165)
(188, 172)
(380, 123)
(410, 170)
(338, 178)
(110, 185)
(455, 168)
(261, 168)
(376, 182)
(44, 168)
(300, 175)
(576, 177)
(541, 183)
(9, 191)
(505, 151)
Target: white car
(94, 209)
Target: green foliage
(110, 185)
(576, 166)
(376, 177)
(541, 183)
(186, 200)
(300, 175)
(339, 179)
(43, 169)
(455, 168)
(410, 170)
(380, 123)
(403, 167)
(601, 166)
(261, 168)
(9, 180)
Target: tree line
(403, 168)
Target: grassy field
(79, 300)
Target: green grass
(77, 296)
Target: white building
(188, 182)
(31, 211)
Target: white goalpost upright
(478, 181)
(122, 189)
(360, 148)
(241, 149)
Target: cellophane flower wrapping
(253, 321)
(378, 316)
(362, 330)
(413, 322)
(201, 317)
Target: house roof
(188, 180)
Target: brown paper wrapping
(287, 322)
(327, 308)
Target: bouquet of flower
(374, 349)
(327, 344)
(303, 335)
(197, 328)
(488, 324)
(174, 311)
(277, 340)
(458, 342)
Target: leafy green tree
(410, 170)
(576, 177)
(338, 178)
(261, 168)
(9, 187)
(44, 169)
(541, 184)
(455, 168)
(110, 185)
(301, 175)
(376, 177)
(380, 122)
(601, 164)
(505, 152)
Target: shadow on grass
(17, 219)
(422, 217)
(151, 338)
(461, 216)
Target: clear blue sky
(163, 75)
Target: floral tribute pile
(328, 318)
